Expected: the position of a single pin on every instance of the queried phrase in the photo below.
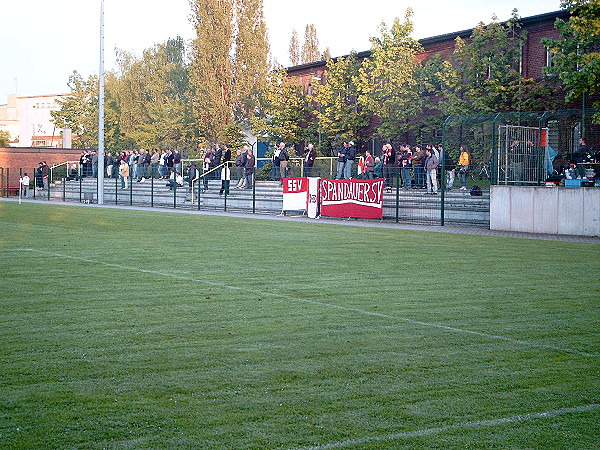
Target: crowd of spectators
(416, 166)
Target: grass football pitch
(144, 329)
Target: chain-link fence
(526, 147)
(506, 148)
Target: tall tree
(287, 112)
(310, 48)
(152, 95)
(576, 56)
(387, 85)
(251, 64)
(340, 118)
(79, 111)
(294, 48)
(211, 68)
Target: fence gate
(521, 154)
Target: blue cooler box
(573, 183)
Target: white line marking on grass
(477, 424)
(319, 303)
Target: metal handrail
(66, 163)
(204, 174)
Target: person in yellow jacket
(123, 173)
(464, 161)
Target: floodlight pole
(101, 111)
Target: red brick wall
(28, 158)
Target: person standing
(369, 165)
(24, 185)
(45, 170)
(177, 161)
(249, 168)
(389, 159)
(94, 159)
(206, 167)
(341, 161)
(284, 158)
(404, 164)
(109, 162)
(124, 173)
(240, 162)
(378, 169)
(225, 179)
(309, 159)
(226, 154)
(191, 174)
(143, 163)
(154, 162)
(169, 160)
(350, 157)
(431, 164)
(39, 176)
(418, 162)
(464, 161)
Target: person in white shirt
(24, 184)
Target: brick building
(535, 56)
(14, 159)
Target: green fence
(524, 147)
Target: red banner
(361, 199)
(295, 194)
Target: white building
(28, 120)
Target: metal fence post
(199, 191)
(153, 174)
(175, 192)
(398, 194)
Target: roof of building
(525, 21)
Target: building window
(549, 57)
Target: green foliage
(488, 66)
(233, 136)
(4, 138)
(79, 111)
(340, 117)
(251, 64)
(386, 82)
(152, 96)
(287, 111)
(211, 68)
(576, 55)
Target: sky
(43, 41)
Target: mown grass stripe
(510, 340)
(476, 424)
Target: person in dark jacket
(350, 157)
(249, 167)
(309, 159)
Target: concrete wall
(556, 210)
